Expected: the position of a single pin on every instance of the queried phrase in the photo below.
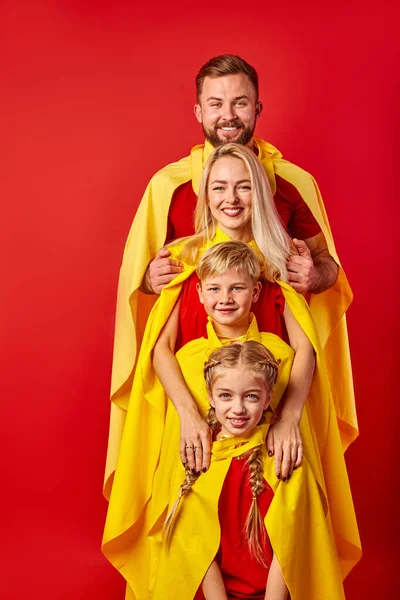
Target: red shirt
(296, 217)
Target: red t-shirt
(296, 217)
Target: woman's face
(230, 197)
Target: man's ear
(198, 113)
(257, 291)
(198, 288)
(259, 108)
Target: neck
(239, 235)
(234, 331)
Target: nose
(225, 297)
(228, 112)
(238, 407)
(231, 196)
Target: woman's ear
(198, 288)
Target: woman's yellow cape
(296, 523)
(147, 236)
(134, 511)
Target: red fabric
(294, 212)
(243, 575)
(268, 311)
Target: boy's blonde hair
(266, 225)
(262, 362)
(226, 256)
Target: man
(228, 108)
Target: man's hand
(301, 269)
(160, 271)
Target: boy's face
(227, 298)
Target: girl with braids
(223, 536)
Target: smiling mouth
(232, 212)
(238, 422)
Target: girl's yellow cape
(147, 236)
(147, 457)
(296, 523)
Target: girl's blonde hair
(226, 256)
(257, 358)
(266, 225)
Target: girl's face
(230, 198)
(239, 398)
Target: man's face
(228, 109)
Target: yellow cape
(133, 511)
(147, 236)
(296, 525)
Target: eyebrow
(223, 181)
(221, 99)
(222, 389)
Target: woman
(250, 215)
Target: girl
(235, 532)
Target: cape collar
(214, 341)
(230, 447)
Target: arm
(159, 272)
(213, 585)
(276, 586)
(283, 439)
(313, 269)
(195, 433)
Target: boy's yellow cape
(147, 236)
(296, 523)
(147, 457)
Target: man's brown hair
(226, 64)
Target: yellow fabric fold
(296, 523)
(147, 236)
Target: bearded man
(227, 108)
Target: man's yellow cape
(135, 513)
(296, 523)
(147, 236)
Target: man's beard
(243, 139)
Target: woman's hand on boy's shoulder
(285, 445)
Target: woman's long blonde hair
(266, 226)
(262, 362)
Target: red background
(96, 97)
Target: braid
(211, 419)
(254, 527)
(190, 479)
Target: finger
(298, 287)
(286, 462)
(270, 442)
(206, 453)
(299, 456)
(301, 247)
(278, 460)
(198, 455)
(182, 452)
(296, 277)
(190, 463)
(161, 282)
(293, 459)
(166, 269)
(298, 260)
(163, 252)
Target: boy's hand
(195, 446)
(285, 444)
